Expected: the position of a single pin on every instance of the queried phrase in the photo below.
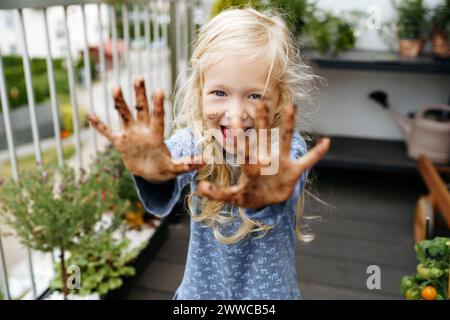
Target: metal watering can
(427, 132)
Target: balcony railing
(159, 53)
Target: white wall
(344, 109)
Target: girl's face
(232, 87)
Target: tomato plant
(431, 280)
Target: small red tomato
(429, 293)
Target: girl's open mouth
(228, 132)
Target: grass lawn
(28, 162)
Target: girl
(244, 76)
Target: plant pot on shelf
(411, 25)
(410, 48)
(441, 46)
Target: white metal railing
(149, 61)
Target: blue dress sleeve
(272, 214)
(160, 198)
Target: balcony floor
(371, 225)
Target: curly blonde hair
(251, 32)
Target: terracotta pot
(410, 48)
(441, 46)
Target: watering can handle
(442, 107)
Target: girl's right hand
(141, 144)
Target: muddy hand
(255, 190)
(141, 142)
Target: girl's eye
(218, 93)
(255, 96)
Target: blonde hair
(250, 32)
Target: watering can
(426, 132)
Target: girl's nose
(242, 115)
(237, 109)
(239, 120)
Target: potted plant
(298, 13)
(431, 281)
(441, 30)
(106, 257)
(411, 26)
(103, 261)
(330, 33)
(56, 209)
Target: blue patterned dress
(252, 268)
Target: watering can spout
(404, 123)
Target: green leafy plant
(330, 33)
(56, 209)
(102, 262)
(432, 271)
(126, 190)
(441, 19)
(298, 13)
(79, 67)
(220, 5)
(412, 20)
(15, 79)
(136, 216)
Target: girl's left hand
(255, 190)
